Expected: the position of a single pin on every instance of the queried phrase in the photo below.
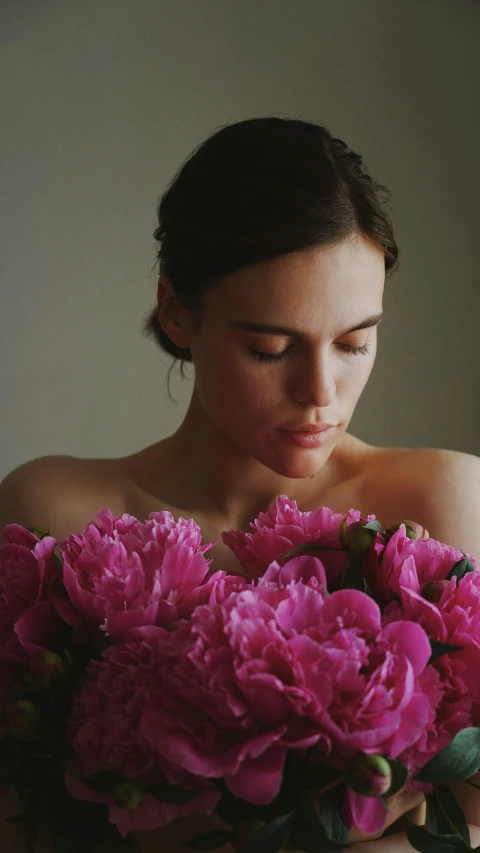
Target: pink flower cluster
(411, 583)
(284, 527)
(108, 732)
(213, 676)
(28, 620)
(122, 573)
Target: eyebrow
(271, 329)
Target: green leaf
(41, 532)
(439, 649)
(452, 808)
(210, 840)
(306, 813)
(399, 776)
(460, 569)
(232, 809)
(458, 761)
(105, 782)
(422, 839)
(170, 793)
(374, 525)
(330, 813)
(435, 821)
(271, 837)
(308, 832)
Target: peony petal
(427, 615)
(258, 780)
(37, 629)
(151, 813)
(368, 813)
(119, 622)
(414, 720)
(408, 576)
(409, 639)
(353, 606)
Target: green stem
(348, 563)
(447, 817)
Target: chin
(297, 464)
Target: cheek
(234, 391)
(356, 375)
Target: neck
(214, 474)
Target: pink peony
(122, 573)
(307, 569)
(453, 619)
(282, 528)
(104, 729)
(28, 622)
(271, 669)
(405, 562)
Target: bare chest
(356, 494)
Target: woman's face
(319, 364)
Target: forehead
(326, 285)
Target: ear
(172, 316)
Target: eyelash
(264, 356)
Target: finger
(418, 815)
(402, 803)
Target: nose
(315, 383)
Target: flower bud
(21, 719)
(412, 530)
(128, 796)
(358, 540)
(370, 776)
(433, 590)
(47, 666)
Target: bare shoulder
(439, 488)
(61, 493)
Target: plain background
(101, 102)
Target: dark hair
(255, 190)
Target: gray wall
(101, 101)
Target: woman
(273, 250)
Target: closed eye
(266, 356)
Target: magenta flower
(122, 573)
(282, 528)
(105, 731)
(407, 563)
(28, 622)
(453, 618)
(271, 669)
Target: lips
(316, 428)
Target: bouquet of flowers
(138, 684)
